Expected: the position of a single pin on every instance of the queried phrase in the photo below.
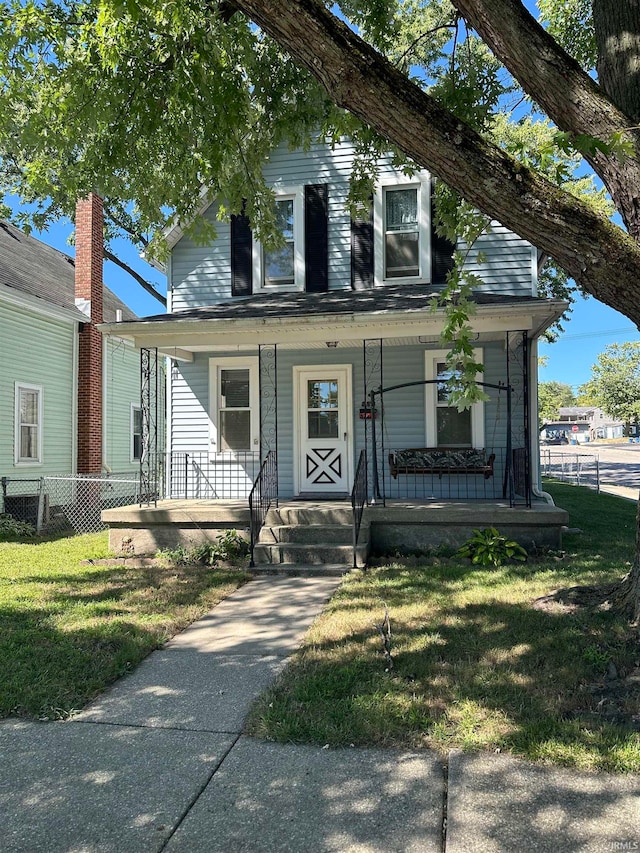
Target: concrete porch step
(305, 513)
(311, 534)
(309, 554)
(300, 570)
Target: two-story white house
(322, 362)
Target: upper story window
(28, 424)
(283, 268)
(401, 232)
(401, 215)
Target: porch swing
(446, 460)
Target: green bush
(488, 548)
(229, 547)
(11, 528)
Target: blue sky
(591, 328)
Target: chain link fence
(64, 504)
(580, 469)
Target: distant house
(584, 423)
(69, 399)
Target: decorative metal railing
(196, 474)
(358, 501)
(262, 495)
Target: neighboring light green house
(43, 374)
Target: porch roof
(301, 319)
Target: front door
(324, 420)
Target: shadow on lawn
(489, 674)
(47, 672)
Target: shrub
(229, 547)
(11, 528)
(488, 548)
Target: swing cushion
(441, 460)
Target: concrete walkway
(158, 763)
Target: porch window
(28, 424)
(401, 216)
(136, 433)
(445, 425)
(283, 268)
(234, 416)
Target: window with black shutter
(441, 248)
(362, 277)
(241, 256)
(316, 238)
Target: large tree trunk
(625, 597)
(575, 102)
(617, 29)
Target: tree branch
(569, 96)
(358, 78)
(126, 227)
(144, 284)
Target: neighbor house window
(401, 215)
(234, 415)
(136, 433)
(28, 424)
(446, 426)
(283, 268)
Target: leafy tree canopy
(615, 381)
(147, 103)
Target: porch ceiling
(303, 320)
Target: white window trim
(231, 363)
(27, 386)
(420, 180)
(133, 408)
(431, 400)
(281, 194)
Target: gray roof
(398, 298)
(33, 268)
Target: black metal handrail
(262, 495)
(358, 500)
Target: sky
(591, 328)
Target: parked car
(555, 437)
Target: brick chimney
(88, 287)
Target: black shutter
(362, 252)
(441, 248)
(316, 238)
(241, 255)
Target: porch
(314, 533)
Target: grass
(67, 630)
(476, 666)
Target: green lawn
(67, 630)
(476, 666)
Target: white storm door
(323, 430)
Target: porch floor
(401, 525)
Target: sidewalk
(158, 763)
